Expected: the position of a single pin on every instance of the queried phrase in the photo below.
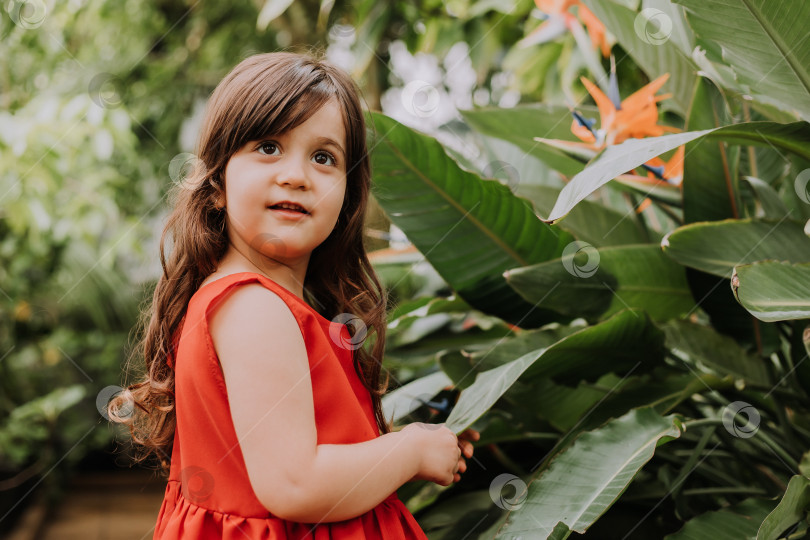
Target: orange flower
(560, 19)
(635, 117)
(670, 171)
(555, 7)
(596, 30)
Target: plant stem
(703, 422)
(729, 489)
(778, 450)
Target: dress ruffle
(180, 518)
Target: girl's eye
(324, 158)
(268, 148)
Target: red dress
(209, 494)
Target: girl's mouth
(286, 205)
(288, 213)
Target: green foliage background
(603, 397)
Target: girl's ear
(219, 188)
(220, 202)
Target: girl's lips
(288, 214)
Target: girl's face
(305, 166)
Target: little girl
(267, 406)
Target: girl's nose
(292, 172)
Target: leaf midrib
(632, 459)
(804, 78)
(466, 214)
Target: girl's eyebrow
(331, 142)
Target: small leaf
(772, 290)
(792, 508)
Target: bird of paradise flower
(634, 117)
(560, 19)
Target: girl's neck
(289, 277)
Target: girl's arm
(266, 370)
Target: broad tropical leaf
(710, 185)
(772, 290)
(720, 353)
(731, 523)
(717, 247)
(627, 342)
(609, 280)
(583, 481)
(793, 507)
(764, 42)
(470, 230)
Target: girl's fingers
(466, 448)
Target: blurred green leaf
(773, 290)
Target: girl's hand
(440, 462)
(466, 447)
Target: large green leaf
(591, 404)
(619, 159)
(584, 480)
(520, 125)
(638, 276)
(710, 185)
(654, 53)
(470, 230)
(765, 42)
(722, 354)
(737, 522)
(793, 507)
(589, 221)
(711, 192)
(717, 247)
(773, 290)
(627, 342)
(464, 366)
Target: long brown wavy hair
(263, 95)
